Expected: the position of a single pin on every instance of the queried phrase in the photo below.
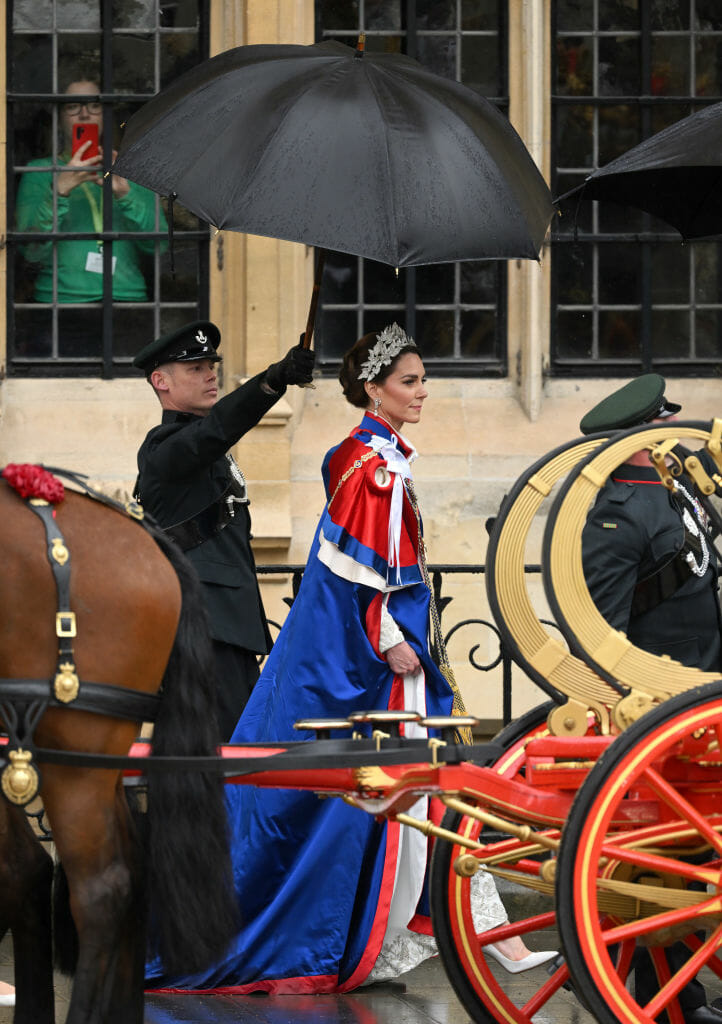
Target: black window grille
(627, 296)
(456, 312)
(89, 271)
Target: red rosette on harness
(34, 482)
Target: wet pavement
(423, 996)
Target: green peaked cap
(639, 401)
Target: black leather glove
(296, 367)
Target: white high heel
(526, 964)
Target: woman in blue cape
(330, 898)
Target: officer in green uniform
(648, 559)
(651, 569)
(189, 482)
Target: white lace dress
(402, 950)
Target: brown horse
(140, 622)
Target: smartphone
(82, 132)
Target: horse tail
(189, 877)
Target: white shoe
(526, 964)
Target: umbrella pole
(320, 260)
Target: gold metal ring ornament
(608, 650)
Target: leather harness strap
(101, 698)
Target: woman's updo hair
(353, 388)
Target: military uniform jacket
(634, 529)
(182, 469)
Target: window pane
(438, 53)
(619, 66)
(136, 14)
(33, 333)
(709, 16)
(375, 320)
(134, 63)
(435, 332)
(670, 274)
(670, 66)
(619, 336)
(29, 15)
(80, 332)
(183, 285)
(619, 274)
(435, 284)
(338, 14)
(78, 58)
(480, 64)
(619, 130)
(179, 14)
(708, 79)
(574, 334)
(381, 285)
(670, 14)
(671, 333)
(71, 14)
(132, 327)
(478, 334)
(480, 15)
(708, 327)
(435, 14)
(31, 65)
(340, 279)
(479, 281)
(615, 15)
(574, 275)
(574, 15)
(575, 136)
(708, 272)
(575, 67)
(382, 14)
(183, 54)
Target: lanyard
(95, 213)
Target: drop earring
(377, 403)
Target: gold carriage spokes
(619, 886)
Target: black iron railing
(440, 575)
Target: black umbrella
(676, 175)
(369, 154)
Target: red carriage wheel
(486, 990)
(640, 867)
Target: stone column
(258, 295)
(529, 112)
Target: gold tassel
(465, 734)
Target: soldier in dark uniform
(192, 486)
(651, 569)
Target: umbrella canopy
(676, 175)
(369, 154)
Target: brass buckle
(65, 624)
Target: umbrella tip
(360, 44)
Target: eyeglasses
(92, 108)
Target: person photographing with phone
(71, 190)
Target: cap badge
(202, 339)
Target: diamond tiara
(388, 345)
